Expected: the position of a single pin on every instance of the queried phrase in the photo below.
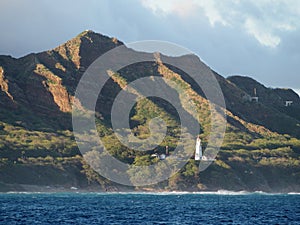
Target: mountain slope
(261, 144)
(270, 111)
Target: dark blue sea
(145, 208)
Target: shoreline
(25, 188)
(220, 192)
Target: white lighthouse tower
(198, 153)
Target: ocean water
(149, 208)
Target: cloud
(263, 37)
(167, 7)
(185, 8)
(212, 12)
(264, 20)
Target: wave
(27, 192)
(145, 193)
(219, 192)
(294, 193)
(224, 192)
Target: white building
(288, 103)
(254, 99)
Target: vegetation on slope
(260, 150)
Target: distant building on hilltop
(254, 98)
(288, 103)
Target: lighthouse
(198, 153)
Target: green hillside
(260, 150)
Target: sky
(256, 38)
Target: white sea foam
(294, 193)
(219, 192)
(26, 192)
(224, 192)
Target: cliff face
(43, 84)
(7, 98)
(261, 144)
